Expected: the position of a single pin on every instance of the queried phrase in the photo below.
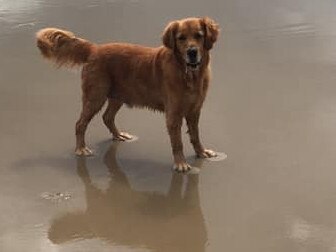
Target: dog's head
(191, 38)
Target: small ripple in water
(56, 197)
(220, 156)
(194, 170)
(134, 138)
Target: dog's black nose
(192, 53)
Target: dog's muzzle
(193, 59)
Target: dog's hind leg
(94, 97)
(109, 120)
(90, 108)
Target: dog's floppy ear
(211, 31)
(168, 37)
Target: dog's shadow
(124, 216)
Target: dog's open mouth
(193, 66)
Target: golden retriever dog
(173, 78)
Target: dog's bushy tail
(63, 47)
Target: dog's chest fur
(195, 89)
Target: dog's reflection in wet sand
(123, 216)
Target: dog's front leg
(192, 122)
(174, 124)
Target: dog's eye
(181, 38)
(198, 35)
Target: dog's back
(135, 73)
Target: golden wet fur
(169, 78)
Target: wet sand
(271, 108)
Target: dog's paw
(123, 136)
(182, 167)
(84, 151)
(206, 154)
